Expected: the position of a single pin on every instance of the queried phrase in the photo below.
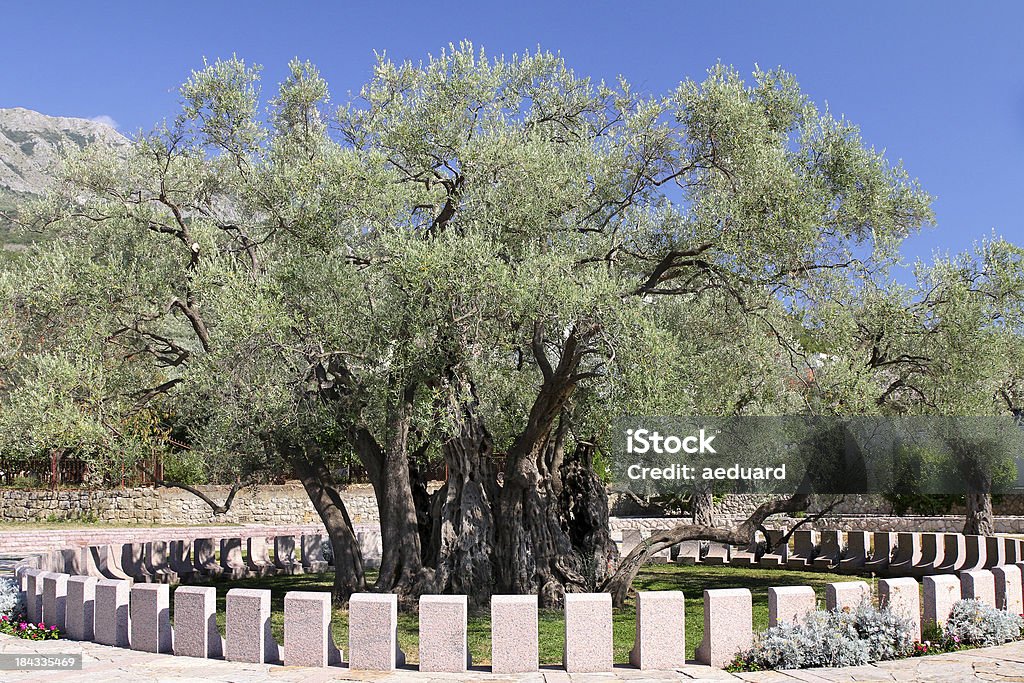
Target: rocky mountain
(31, 147)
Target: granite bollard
(804, 542)
(179, 559)
(856, 553)
(728, 625)
(883, 543)
(1008, 588)
(204, 556)
(443, 646)
(789, 604)
(903, 597)
(112, 620)
(514, 634)
(150, 617)
(34, 594)
(231, 561)
(195, 622)
(831, 551)
(55, 600)
(718, 553)
(979, 584)
(845, 596)
(313, 553)
(247, 627)
(373, 632)
(81, 606)
(284, 555)
(588, 632)
(995, 551)
(660, 639)
(307, 630)
(257, 558)
(778, 556)
(940, 593)
(687, 553)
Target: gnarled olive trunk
(584, 510)
(703, 504)
(533, 550)
(462, 539)
(979, 519)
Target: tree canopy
(482, 260)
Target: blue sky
(938, 85)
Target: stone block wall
(279, 504)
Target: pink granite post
(256, 557)
(979, 584)
(789, 604)
(588, 632)
(55, 600)
(728, 625)
(195, 622)
(231, 561)
(373, 632)
(846, 596)
(940, 593)
(34, 594)
(1008, 588)
(443, 645)
(514, 634)
(247, 625)
(151, 617)
(112, 618)
(903, 597)
(307, 630)
(660, 640)
(284, 555)
(81, 607)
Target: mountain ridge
(32, 146)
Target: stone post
(588, 632)
(81, 607)
(660, 639)
(195, 622)
(443, 645)
(728, 625)
(789, 604)
(514, 634)
(151, 617)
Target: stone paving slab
(116, 665)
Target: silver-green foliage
(972, 622)
(12, 600)
(832, 638)
(272, 278)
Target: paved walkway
(103, 664)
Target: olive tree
(478, 259)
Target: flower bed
(13, 621)
(867, 634)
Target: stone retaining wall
(284, 504)
(288, 505)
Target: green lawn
(691, 580)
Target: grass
(690, 580)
